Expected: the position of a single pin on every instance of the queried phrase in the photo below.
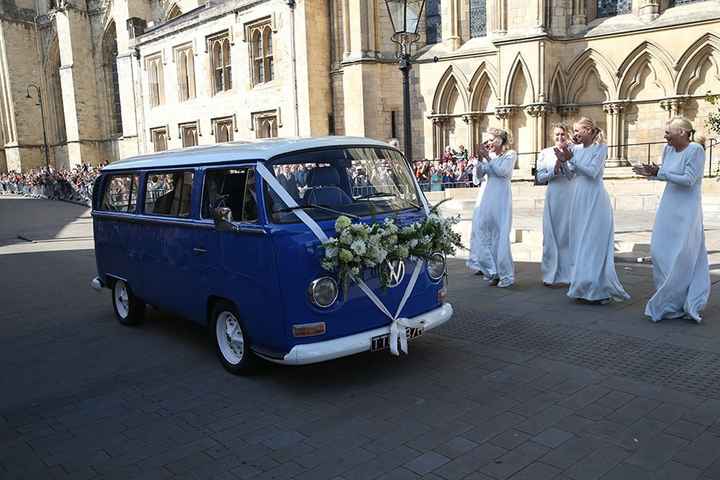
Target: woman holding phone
(552, 170)
(490, 253)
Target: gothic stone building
(121, 77)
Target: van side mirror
(223, 218)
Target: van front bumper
(352, 344)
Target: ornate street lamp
(405, 17)
(42, 117)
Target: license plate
(382, 342)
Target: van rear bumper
(352, 344)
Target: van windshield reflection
(352, 181)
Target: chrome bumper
(352, 344)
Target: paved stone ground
(522, 384)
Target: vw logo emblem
(395, 272)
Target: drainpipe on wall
(291, 4)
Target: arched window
(112, 86)
(609, 8)
(433, 22)
(266, 124)
(261, 50)
(154, 67)
(185, 61)
(478, 18)
(221, 63)
(55, 92)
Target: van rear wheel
(230, 339)
(129, 310)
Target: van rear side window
(169, 193)
(120, 193)
(233, 188)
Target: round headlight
(323, 291)
(436, 266)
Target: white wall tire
(230, 339)
(129, 310)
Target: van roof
(263, 149)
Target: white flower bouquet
(358, 247)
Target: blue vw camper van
(207, 234)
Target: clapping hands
(646, 169)
(562, 154)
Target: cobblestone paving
(523, 384)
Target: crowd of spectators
(454, 169)
(73, 185)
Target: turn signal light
(309, 329)
(442, 295)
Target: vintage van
(201, 233)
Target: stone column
(614, 110)
(504, 113)
(498, 17)
(579, 16)
(450, 17)
(649, 10)
(79, 88)
(437, 136)
(538, 112)
(470, 122)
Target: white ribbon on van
(398, 325)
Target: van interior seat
(234, 187)
(324, 188)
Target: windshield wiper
(368, 196)
(319, 207)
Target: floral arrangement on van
(359, 246)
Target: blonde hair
(562, 126)
(504, 136)
(587, 123)
(685, 125)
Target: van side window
(169, 193)
(120, 193)
(233, 188)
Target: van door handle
(199, 251)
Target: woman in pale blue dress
(593, 278)
(492, 218)
(552, 170)
(680, 262)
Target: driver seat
(324, 188)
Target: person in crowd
(593, 278)
(447, 155)
(551, 170)
(679, 257)
(435, 180)
(490, 253)
(461, 154)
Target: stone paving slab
(522, 384)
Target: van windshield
(358, 181)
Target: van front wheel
(231, 340)
(129, 310)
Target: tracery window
(110, 51)
(219, 48)
(261, 52)
(609, 8)
(266, 124)
(223, 129)
(185, 62)
(189, 134)
(433, 22)
(478, 18)
(156, 86)
(159, 139)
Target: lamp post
(405, 17)
(42, 117)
